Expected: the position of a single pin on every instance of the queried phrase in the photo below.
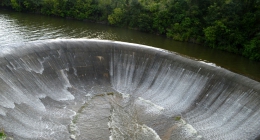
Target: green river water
(24, 27)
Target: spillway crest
(91, 89)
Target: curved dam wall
(90, 89)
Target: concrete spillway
(90, 90)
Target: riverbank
(229, 26)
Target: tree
(116, 16)
(16, 5)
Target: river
(24, 27)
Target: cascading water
(90, 89)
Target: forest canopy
(230, 25)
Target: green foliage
(116, 16)
(79, 9)
(31, 5)
(47, 7)
(145, 23)
(229, 25)
(2, 135)
(5, 3)
(162, 21)
(16, 5)
(214, 33)
(252, 49)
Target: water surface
(24, 27)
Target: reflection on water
(19, 28)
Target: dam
(84, 89)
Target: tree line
(230, 25)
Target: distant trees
(230, 25)
(234, 26)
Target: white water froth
(208, 63)
(47, 86)
(129, 122)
